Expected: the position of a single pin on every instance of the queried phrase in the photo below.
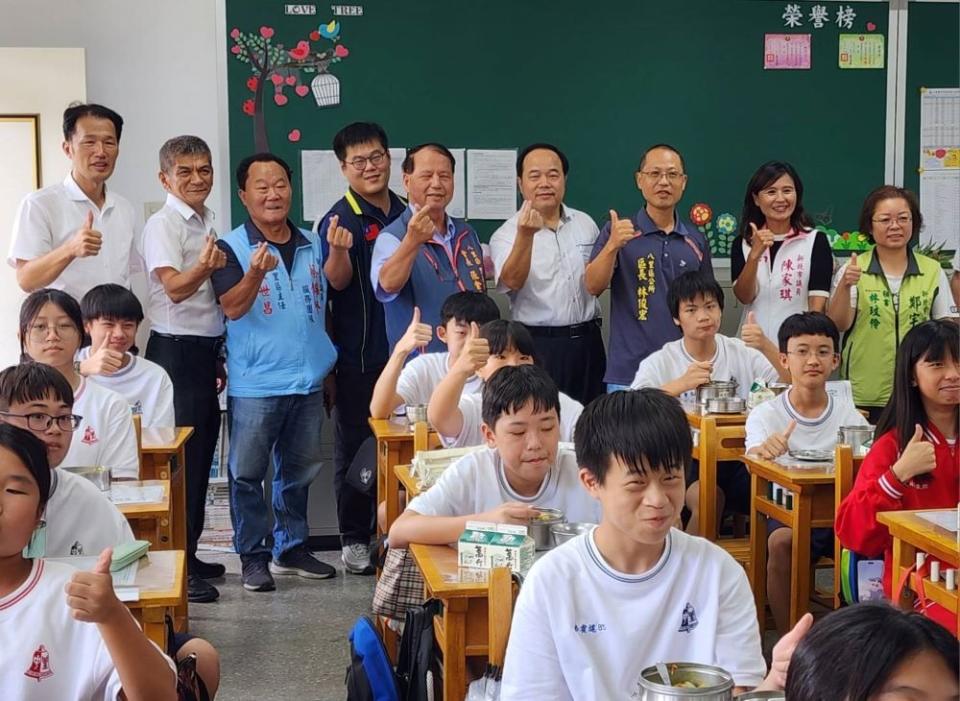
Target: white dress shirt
(48, 218)
(174, 237)
(554, 293)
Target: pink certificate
(786, 52)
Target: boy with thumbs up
(805, 416)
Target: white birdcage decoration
(326, 90)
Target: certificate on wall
(786, 52)
(862, 51)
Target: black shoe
(206, 570)
(256, 576)
(300, 562)
(200, 591)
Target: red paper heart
(235, 33)
(294, 135)
(252, 82)
(248, 107)
(235, 49)
(276, 79)
(280, 99)
(299, 54)
(266, 32)
(314, 35)
(341, 51)
(871, 26)
(291, 80)
(301, 90)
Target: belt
(205, 341)
(573, 331)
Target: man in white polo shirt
(187, 324)
(75, 234)
(539, 256)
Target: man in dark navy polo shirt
(638, 258)
(349, 231)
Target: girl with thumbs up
(914, 463)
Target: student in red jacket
(913, 463)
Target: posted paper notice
(491, 183)
(940, 204)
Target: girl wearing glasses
(880, 295)
(50, 333)
(913, 463)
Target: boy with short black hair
(413, 383)
(596, 611)
(805, 416)
(456, 413)
(111, 317)
(522, 467)
(703, 354)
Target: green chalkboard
(602, 80)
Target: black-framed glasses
(38, 421)
(65, 330)
(374, 159)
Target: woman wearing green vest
(881, 294)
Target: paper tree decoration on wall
(275, 68)
(719, 232)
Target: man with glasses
(638, 258)
(348, 233)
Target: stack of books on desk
(428, 465)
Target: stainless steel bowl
(857, 437)
(416, 413)
(539, 527)
(562, 532)
(718, 684)
(717, 389)
(726, 405)
(777, 388)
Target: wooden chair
(846, 467)
(718, 444)
(499, 614)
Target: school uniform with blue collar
(451, 262)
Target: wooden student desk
(813, 507)
(912, 534)
(163, 457)
(151, 521)
(161, 577)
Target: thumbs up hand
(760, 241)
(621, 232)
(90, 594)
(851, 272)
(752, 333)
(777, 443)
(87, 241)
(416, 336)
(102, 360)
(917, 458)
(474, 354)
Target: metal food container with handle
(539, 527)
(857, 437)
(716, 389)
(725, 405)
(562, 532)
(717, 684)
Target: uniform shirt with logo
(471, 407)
(476, 483)
(421, 376)
(815, 433)
(583, 631)
(105, 436)
(44, 653)
(80, 519)
(146, 387)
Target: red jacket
(877, 489)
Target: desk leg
(455, 645)
(758, 549)
(392, 486)
(708, 483)
(178, 488)
(800, 556)
(904, 555)
(154, 626)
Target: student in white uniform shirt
(111, 317)
(63, 633)
(539, 257)
(521, 467)
(51, 328)
(596, 611)
(413, 383)
(77, 234)
(805, 416)
(701, 355)
(457, 415)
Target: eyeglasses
(655, 175)
(42, 422)
(902, 220)
(822, 354)
(374, 159)
(40, 331)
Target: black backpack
(417, 655)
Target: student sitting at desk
(111, 316)
(51, 331)
(413, 383)
(64, 633)
(456, 414)
(522, 467)
(701, 355)
(595, 611)
(913, 463)
(808, 417)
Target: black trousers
(356, 512)
(192, 367)
(577, 362)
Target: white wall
(155, 63)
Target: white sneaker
(356, 558)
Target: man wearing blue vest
(348, 233)
(425, 255)
(273, 293)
